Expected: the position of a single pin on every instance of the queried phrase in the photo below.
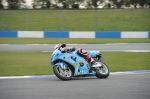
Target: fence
(76, 20)
(73, 34)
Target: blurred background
(75, 15)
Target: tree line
(65, 4)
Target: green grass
(37, 63)
(24, 63)
(68, 41)
(77, 20)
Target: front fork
(62, 64)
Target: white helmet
(57, 46)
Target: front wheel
(63, 74)
(103, 71)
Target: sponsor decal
(77, 63)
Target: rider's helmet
(57, 46)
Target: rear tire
(63, 74)
(102, 72)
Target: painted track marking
(49, 76)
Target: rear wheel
(103, 71)
(63, 74)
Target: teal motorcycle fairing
(79, 64)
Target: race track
(116, 86)
(50, 47)
(119, 86)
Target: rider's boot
(92, 62)
(91, 65)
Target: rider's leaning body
(80, 51)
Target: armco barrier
(12, 34)
(108, 35)
(77, 34)
(50, 34)
(30, 34)
(73, 34)
(134, 34)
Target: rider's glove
(71, 49)
(63, 50)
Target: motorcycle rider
(80, 52)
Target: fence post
(131, 20)
(26, 19)
(114, 20)
(61, 29)
(96, 19)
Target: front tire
(103, 71)
(63, 74)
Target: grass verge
(76, 20)
(69, 40)
(37, 63)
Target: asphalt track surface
(50, 47)
(120, 86)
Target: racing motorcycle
(69, 65)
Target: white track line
(49, 76)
